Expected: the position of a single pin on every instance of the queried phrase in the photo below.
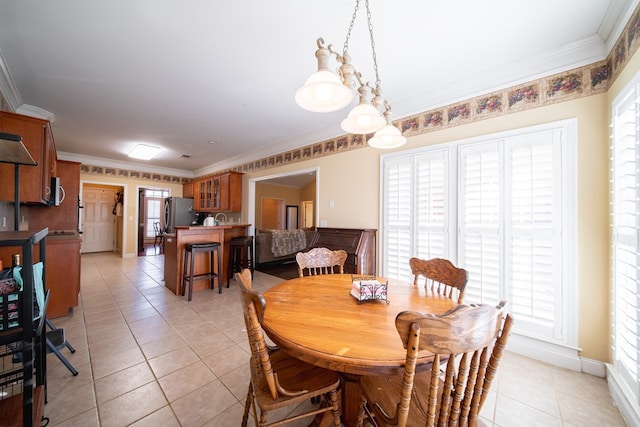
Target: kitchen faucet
(216, 217)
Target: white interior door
(98, 221)
(307, 214)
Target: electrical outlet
(4, 222)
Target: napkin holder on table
(368, 288)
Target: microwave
(57, 192)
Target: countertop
(212, 227)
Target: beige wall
(352, 181)
(130, 208)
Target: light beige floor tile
(163, 417)
(172, 361)
(227, 360)
(69, 402)
(588, 413)
(163, 345)
(204, 404)
(86, 419)
(510, 412)
(107, 365)
(132, 406)
(122, 382)
(185, 380)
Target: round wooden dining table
(317, 320)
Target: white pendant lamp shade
(323, 92)
(363, 119)
(387, 137)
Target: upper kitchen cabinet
(203, 195)
(227, 192)
(64, 217)
(218, 193)
(187, 190)
(35, 181)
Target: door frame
(125, 189)
(251, 208)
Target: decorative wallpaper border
(130, 174)
(573, 84)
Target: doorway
(150, 212)
(99, 223)
(304, 178)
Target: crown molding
(8, 86)
(33, 111)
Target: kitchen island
(174, 253)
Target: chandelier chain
(353, 20)
(373, 43)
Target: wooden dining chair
(277, 379)
(441, 276)
(471, 338)
(321, 261)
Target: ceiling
(181, 74)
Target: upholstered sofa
(264, 246)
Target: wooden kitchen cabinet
(63, 274)
(227, 192)
(35, 181)
(218, 193)
(62, 269)
(203, 189)
(66, 216)
(187, 190)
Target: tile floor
(149, 358)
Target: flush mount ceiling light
(325, 91)
(144, 152)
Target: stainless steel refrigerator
(178, 211)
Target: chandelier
(326, 91)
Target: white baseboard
(620, 393)
(564, 357)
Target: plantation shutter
(625, 164)
(416, 211)
(397, 216)
(479, 218)
(533, 232)
(432, 205)
(503, 208)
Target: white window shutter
(432, 205)
(397, 217)
(625, 189)
(502, 208)
(479, 218)
(532, 232)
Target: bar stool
(240, 256)
(190, 251)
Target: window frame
(566, 346)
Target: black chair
(159, 235)
(240, 256)
(188, 266)
(56, 341)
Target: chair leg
(247, 406)
(193, 256)
(336, 408)
(66, 343)
(361, 410)
(63, 359)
